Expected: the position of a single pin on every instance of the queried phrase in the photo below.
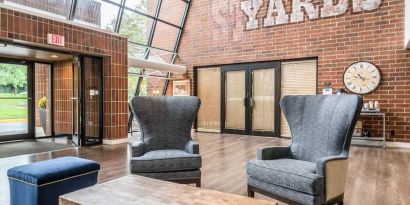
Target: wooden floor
(376, 176)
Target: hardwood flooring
(376, 176)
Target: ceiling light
(54, 56)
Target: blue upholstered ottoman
(41, 183)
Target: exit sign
(55, 39)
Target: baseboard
(398, 144)
(114, 142)
(380, 143)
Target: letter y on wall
(251, 8)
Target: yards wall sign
(277, 15)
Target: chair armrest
(137, 149)
(270, 153)
(321, 163)
(334, 170)
(192, 147)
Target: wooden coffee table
(134, 189)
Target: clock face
(362, 77)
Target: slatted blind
(297, 78)
(263, 91)
(209, 91)
(235, 93)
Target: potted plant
(42, 105)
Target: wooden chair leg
(250, 192)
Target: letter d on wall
(333, 10)
(251, 8)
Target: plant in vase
(42, 105)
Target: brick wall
(215, 34)
(17, 25)
(63, 105)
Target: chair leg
(198, 183)
(250, 192)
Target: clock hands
(363, 78)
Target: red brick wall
(17, 25)
(63, 106)
(215, 34)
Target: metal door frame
(30, 100)
(81, 140)
(248, 68)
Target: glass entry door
(16, 104)
(87, 101)
(249, 99)
(76, 101)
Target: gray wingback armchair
(313, 168)
(166, 150)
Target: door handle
(250, 102)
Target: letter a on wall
(276, 6)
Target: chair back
(321, 125)
(165, 122)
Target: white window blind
(297, 78)
(209, 91)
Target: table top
(133, 189)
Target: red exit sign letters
(55, 39)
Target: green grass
(11, 95)
(13, 106)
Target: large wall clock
(362, 77)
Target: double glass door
(249, 99)
(87, 101)
(63, 98)
(16, 100)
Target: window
(136, 26)
(242, 98)
(97, 13)
(165, 36)
(133, 78)
(209, 114)
(161, 56)
(54, 8)
(297, 78)
(172, 11)
(145, 6)
(150, 26)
